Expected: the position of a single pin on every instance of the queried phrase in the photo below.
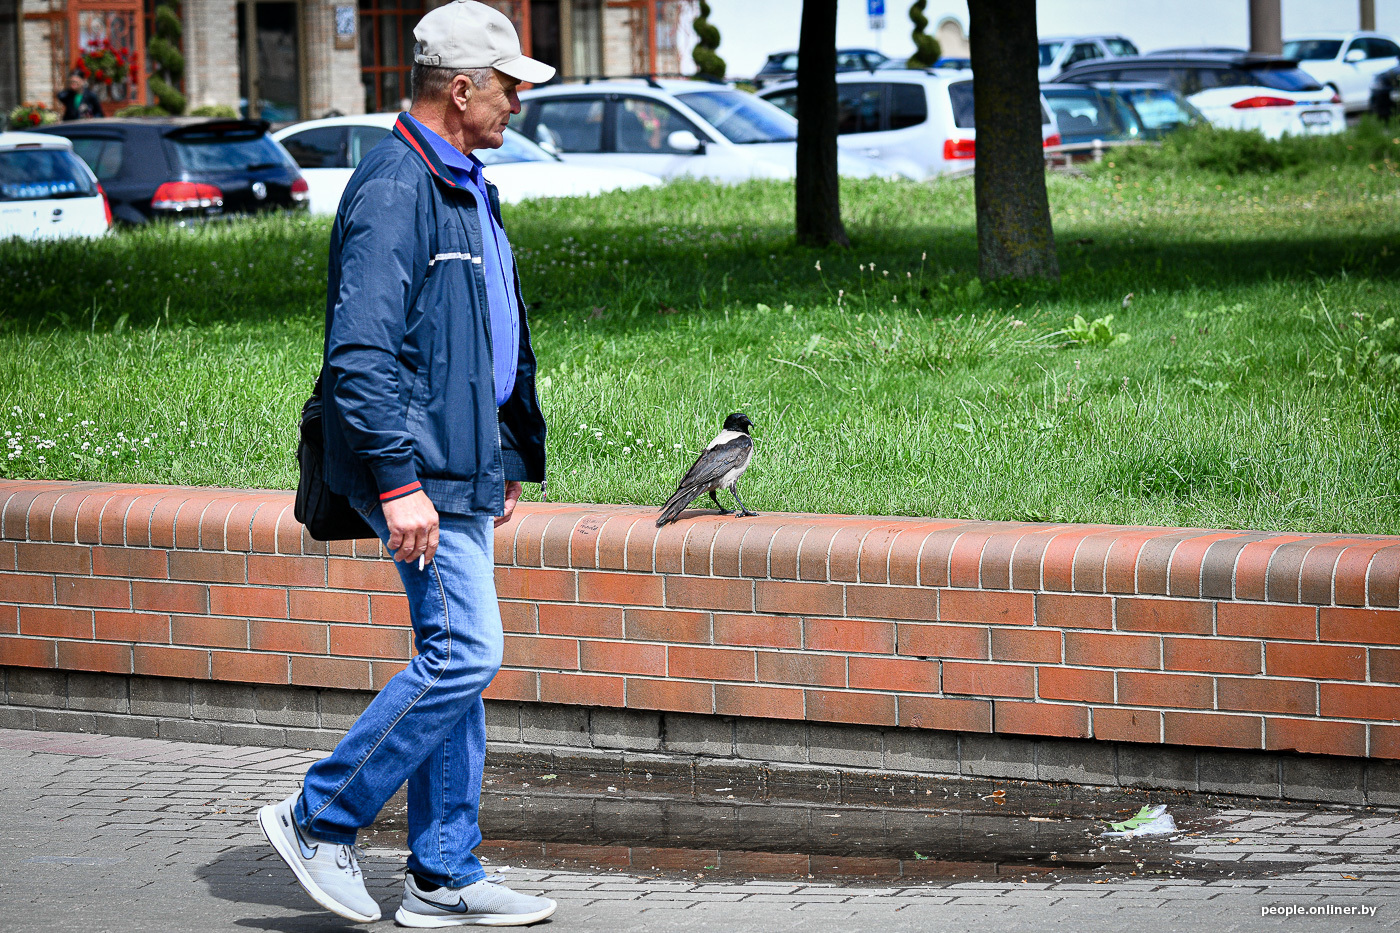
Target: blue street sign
(875, 7)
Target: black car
(187, 169)
(782, 66)
(1190, 73)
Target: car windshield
(516, 148)
(238, 151)
(40, 174)
(741, 117)
(1160, 109)
(1312, 50)
(1121, 47)
(1048, 51)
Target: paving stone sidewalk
(102, 833)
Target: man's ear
(461, 90)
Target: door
(322, 154)
(642, 131)
(269, 55)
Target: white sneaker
(482, 904)
(328, 871)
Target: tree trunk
(818, 185)
(1014, 238)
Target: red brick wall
(1161, 635)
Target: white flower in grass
(676, 446)
(626, 450)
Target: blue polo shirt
(497, 263)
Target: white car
(329, 150)
(47, 192)
(1060, 52)
(916, 121)
(1233, 90)
(673, 129)
(1345, 62)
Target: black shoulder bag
(329, 516)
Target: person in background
(78, 101)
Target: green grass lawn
(1257, 386)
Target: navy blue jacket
(408, 378)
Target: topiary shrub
(707, 63)
(164, 51)
(927, 51)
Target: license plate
(1316, 117)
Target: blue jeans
(427, 726)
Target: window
(40, 174)
(785, 101)
(362, 140)
(644, 127)
(386, 50)
(324, 147)
(1120, 47)
(1154, 75)
(1160, 109)
(1279, 79)
(1083, 52)
(960, 95)
(102, 154)
(514, 148)
(741, 117)
(858, 108)
(908, 105)
(574, 125)
(1380, 48)
(226, 152)
(850, 61)
(1085, 115)
(1048, 51)
(1312, 50)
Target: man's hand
(413, 527)
(513, 490)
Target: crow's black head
(738, 422)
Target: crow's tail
(676, 504)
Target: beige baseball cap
(468, 34)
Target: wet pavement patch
(739, 821)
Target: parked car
(671, 129)
(916, 121)
(782, 66)
(1385, 93)
(46, 192)
(186, 169)
(1060, 52)
(329, 150)
(1232, 89)
(1348, 63)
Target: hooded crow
(719, 467)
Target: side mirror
(685, 141)
(1353, 56)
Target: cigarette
(420, 561)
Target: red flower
(34, 118)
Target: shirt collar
(452, 157)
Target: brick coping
(1235, 639)
(1278, 567)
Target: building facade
(289, 60)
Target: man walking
(432, 422)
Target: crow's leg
(743, 509)
(722, 509)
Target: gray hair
(429, 81)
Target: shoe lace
(348, 857)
